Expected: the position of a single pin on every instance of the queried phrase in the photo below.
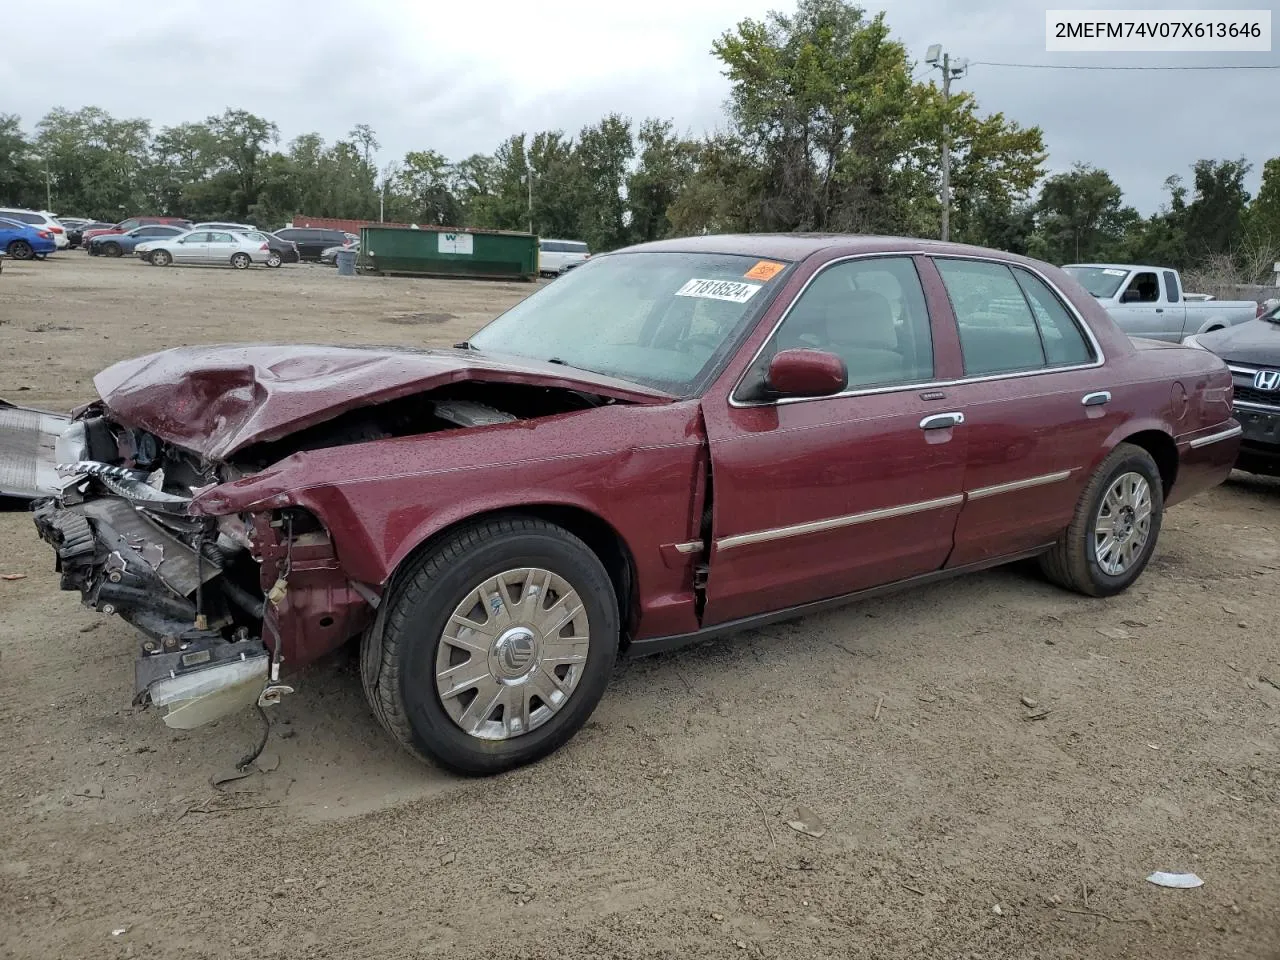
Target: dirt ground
(959, 822)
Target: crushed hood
(215, 400)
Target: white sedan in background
(205, 246)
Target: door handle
(1159, 309)
(1096, 399)
(941, 421)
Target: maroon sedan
(672, 441)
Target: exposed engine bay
(223, 602)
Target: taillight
(45, 234)
(56, 229)
(264, 247)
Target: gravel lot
(959, 822)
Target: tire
(21, 250)
(240, 261)
(274, 260)
(1074, 561)
(402, 652)
(161, 258)
(111, 249)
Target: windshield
(1100, 281)
(658, 319)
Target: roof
(1117, 266)
(798, 246)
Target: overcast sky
(459, 77)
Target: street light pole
(936, 58)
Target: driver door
(1143, 313)
(191, 248)
(820, 497)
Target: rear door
(817, 498)
(1037, 403)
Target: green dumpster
(440, 252)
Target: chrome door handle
(1096, 399)
(940, 421)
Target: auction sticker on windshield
(1116, 273)
(735, 291)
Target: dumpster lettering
(456, 243)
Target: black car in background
(1252, 352)
(75, 235)
(282, 250)
(312, 241)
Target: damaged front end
(211, 596)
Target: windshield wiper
(557, 360)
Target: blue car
(122, 244)
(22, 241)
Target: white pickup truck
(1150, 302)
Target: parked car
(673, 441)
(124, 226)
(1252, 353)
(119, 244)
(555, 255)
(205, 246)
(39, 220)
(24, 241)
(281, 251)
(312, 242)
(329, 255)
(235, 227)
(1148, 301)
(75, 234)
(73, 225)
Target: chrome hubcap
(1123, 524)
(512, 653)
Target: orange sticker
(765, 270)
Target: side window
(872, 314)
(1143, 288)
(221, 238)
(153, 232)
(1171, 285)
(1063, 341)
(130, 224)
(998, 334)
(196, 238)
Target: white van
(555, 255)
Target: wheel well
(1163, 451)
(605, 542)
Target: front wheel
(21, 250)
(494, 647)
(1115, 527)
(240, 261)
(161, 258)
(111, 249)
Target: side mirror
(806, 373)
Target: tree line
(825, 130)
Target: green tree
(663, 170)
(1082, 217)
(1264, 212)
(603, 153)
(97, 164)
(424, 192)
(1215, 215)
(18, 176)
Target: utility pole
(936, 58)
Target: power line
(1081, 66)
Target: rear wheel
(161, 258)
(240, 261)
(274, 260)
(21, 250)
(111, 249)
(494, 647)
(1114, 531)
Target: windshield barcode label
(732, 290)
